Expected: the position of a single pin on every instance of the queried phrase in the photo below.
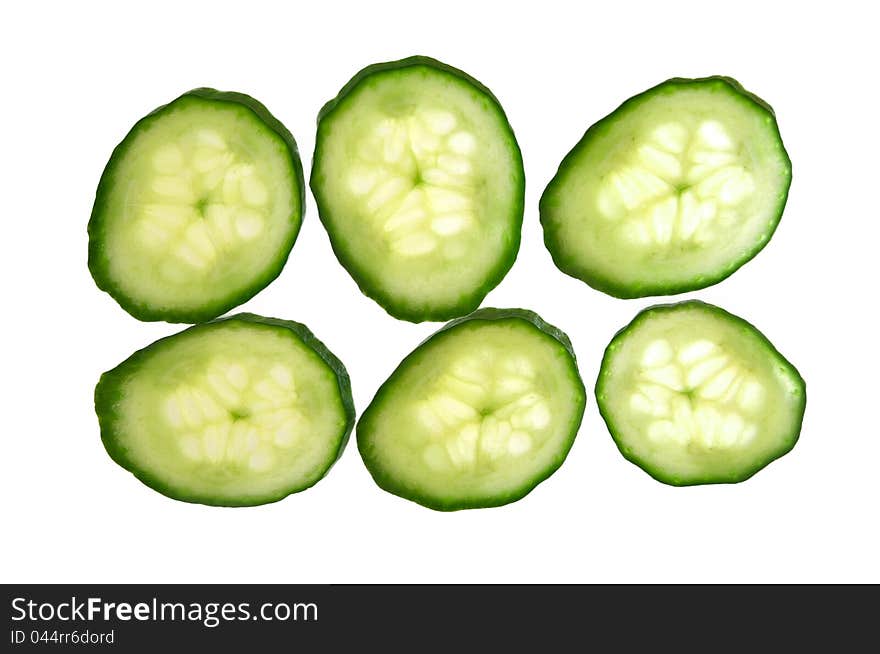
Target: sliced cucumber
(672, 192)
(197, 209)
(695, 395)
(240, 411)
(478, 415)
(419, 181)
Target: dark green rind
(570, 267)
(468, 302)
(98, 258)
(107, 396)
(605, 372)
(387, 482)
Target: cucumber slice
(237, 412)
(419, 182)
(197, 209)
(672, 192)
(478, 415)
(695, 395)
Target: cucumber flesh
(241, 411)
(672, 192)
(695, 395)
(419, 182)
(197, 209)
(476, 416)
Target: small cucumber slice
(237, 412)
(478, 415)
(672, 192)
(695, 395)
(419, 181)
(197, 209)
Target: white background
(77, 75)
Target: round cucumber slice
(478, 415)
(197, 209)
(695, 395)
(419, 182)
(672, 192)
(237, 412)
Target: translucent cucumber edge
(98, 259)
(399, 310)
(107, 396)
(645, 314)
(388, 483)
(570, 267)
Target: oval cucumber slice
(197, 209)
(672, 192)
(419, 182)
(237, 412)
(478, 415)
(695, 395)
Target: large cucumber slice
(240, 411)
(478, 415)
(419, 182)
(672, 192)
(695, 395)
(197, 209)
